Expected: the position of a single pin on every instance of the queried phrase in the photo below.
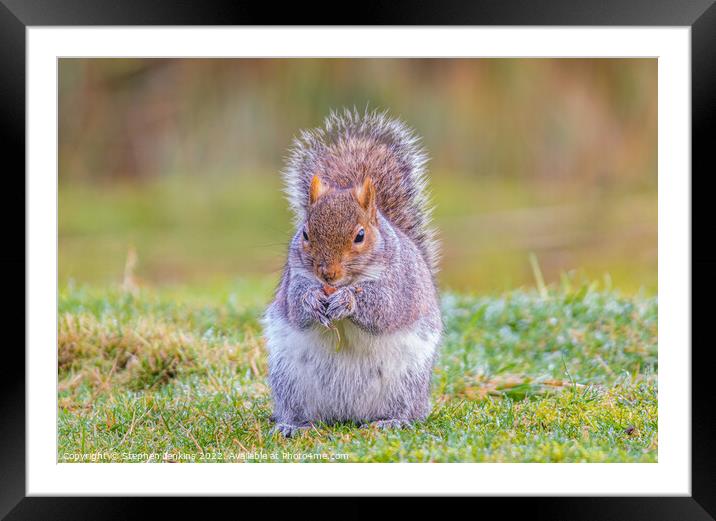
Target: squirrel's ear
(365, 194)
(318, 188)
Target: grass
(559, 374)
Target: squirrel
(353, 331)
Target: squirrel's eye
(305, 235)
(361, 235)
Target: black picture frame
(700, 15)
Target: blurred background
(169, 168)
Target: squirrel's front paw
(314, 302)
(341, 304)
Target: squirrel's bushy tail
(351, 146)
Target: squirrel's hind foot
(288, 429)
(393, 423)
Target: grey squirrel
(354, 328)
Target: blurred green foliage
(178, 160)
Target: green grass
(564, 374)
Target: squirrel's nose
(329, 273)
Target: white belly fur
(356, 382)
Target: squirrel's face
(340, 232)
